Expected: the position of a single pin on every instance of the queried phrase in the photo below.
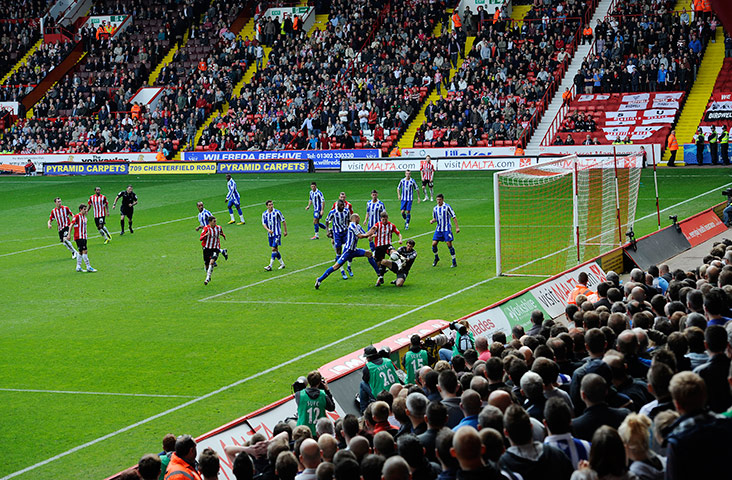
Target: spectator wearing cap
(594, 394)
(378, 375)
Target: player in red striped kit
(61, 214)
(100, 207)
(381, 233)
(342, 196)
(428, 174)
(211, 243)
(78, 224)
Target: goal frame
(575, 208)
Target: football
(394, 255)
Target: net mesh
(536, 214)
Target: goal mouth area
(554, 215)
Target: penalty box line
(243, 287)
(243, 380)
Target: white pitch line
(137, 228)
(266, 302)
(243, 287)
(240, 382)
(71, 392)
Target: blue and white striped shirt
(352, 236)
(443, 214)
(233, 194)
(317, 198)
(374, 210)
(273, 220)
(407, 188)
(339, 219)
(203, 217)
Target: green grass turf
(137, 326)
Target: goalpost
(554, 215)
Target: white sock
(282, 262)
(232, 217)
(86, 260)
(68, 245)
(431, 192)
(270, 261)
(349, 264)
(241, 217)
(209, 272)
(78, 261)
(106, 232)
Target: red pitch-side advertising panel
(702, 227)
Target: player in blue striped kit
(405, 190)
(374, 207)
(317, 200)
(274, 222)
(338, 219)
(234, 200)
(354, 232)
(443, 215)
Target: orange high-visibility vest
(672, 143)
(136, 111)
(456, 19)
(496, 16)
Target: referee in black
(126, 208)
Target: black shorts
(80, 244)
(210, 253)
(127, 212)
(381, 252)
(99, 222)
(428, 183)
(399, 273)
(64, 232)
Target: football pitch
(96, 368)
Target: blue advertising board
(67, 168)
(322, 159)
(690, 155)
(263, 167)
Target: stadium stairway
(29, 113)
(407, 138)
(532, 148)
(21, 61)
(165, 61)
(518, 12)
(696, 103)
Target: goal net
(554, 215)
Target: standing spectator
(182, 464)
(598, 413)
(645, 463)
(714, 372)
(699, 141)
(673, 146)
(558, 421)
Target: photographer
(313, 401)
(416, 358)
(728, 209)
(464, 339)
(377, 375)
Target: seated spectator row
(16, 38)
(635, 383)
(44, 59)
(24, 9)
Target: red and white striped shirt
(99, 204)
(427, 170)
(346, 203)
(78, 223)
(61, 215)
(384, 232)
(210, 236)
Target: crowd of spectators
(44, 59)
(637, 388)
(91, 109)
(645, 47)
(370, 77)
(16, 38)
(24, 9)
(503, 79)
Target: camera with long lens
(727, 193)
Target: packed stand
(24, 9)
(90, 110)
(16, 38)
(638, 387)
(351, 89)
(206, 69)
(500, 86)
(642, 47)
(44, 59)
